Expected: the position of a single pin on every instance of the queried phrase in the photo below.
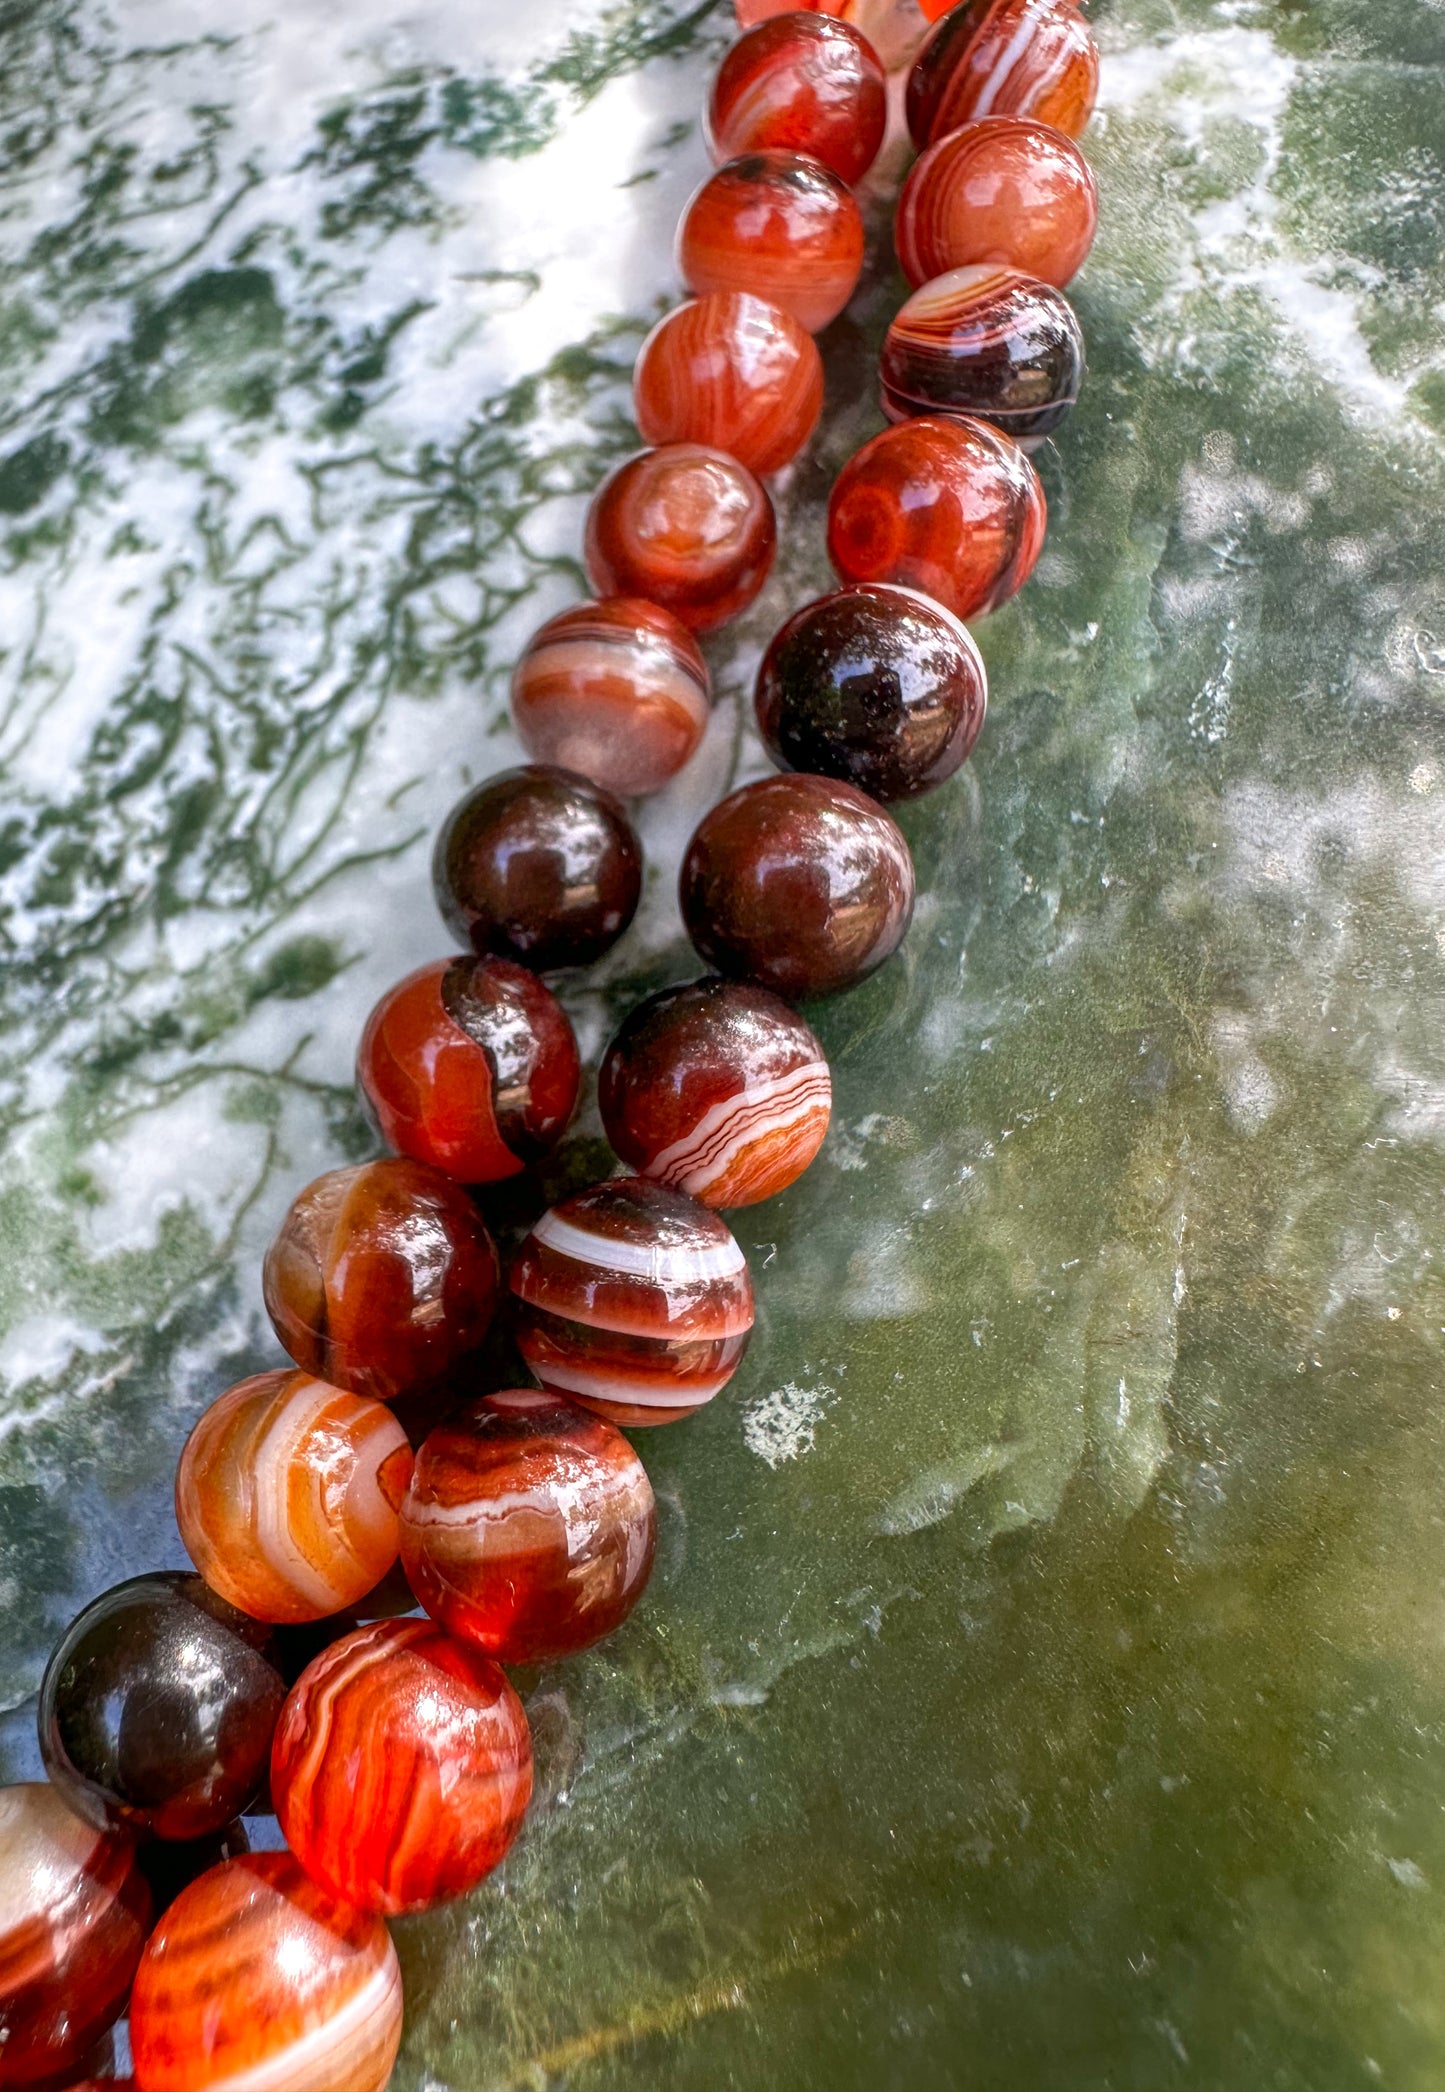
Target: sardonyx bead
(732, 371)
(258, 1979)
(74, 1913)
(470, 1065)
(287, 1496)
(616, 690)
(800, 883)
(1003, 58)
(529, 1527)
(402, 1767)
(1007, 189)
(986, 341)
(686, 526)
(801, 83)
(942, 504)
(718, 1089)
(778, 224)
(633, 1300)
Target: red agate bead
(381, 1278)
(941, 504)
(732, 371)
(685, 526)
(1007, 189)
(74, 1914)
(616, 690)
(986, 341)
(778, 224)
(801, 83)
(632, 1300)
(402, 1767)
(257, 1977)
(529, 1527)
(718, 1089)
(1003, 58)
(470, 1065)
(801, 883)
(287, 1496)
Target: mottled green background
(1044, 1677)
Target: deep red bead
(988, 342)
(685, 526)
(732, 371)
(778, 224)
(1004, 58)
(1007, 189)
(616, 690)
(802, 83)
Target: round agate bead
(538, 865)
(287, 1496)
(717, 1089)
(616, 690)
(529, 1528)
(74, 1914)
(802, 83)
(877, 685)
(470, 1065)
(732, 371)
(402, 1767)
(986, 341)
(158, 1706)
(1003, 58)
(940, 504)
(1007, 190)
(381, 1278)
(780, 225)
(801, 883)
(632, 1300)
(259, 1980)
(685, 526)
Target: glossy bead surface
(780, 225)
(470, 1065)
(800, 883)
(402, 1767)
(802, 83)
(989, 342)
(1004, 58)
(685, 526)
(258, 1980)
(529, 1528)
(287, 1496)
(615, 690)
(632, 1300)
(947, 506)
(734, 372)
(1007, 189)
(157, 1708)
(74, 1913)
(381, 1278)
(717, 1089)
(538, 865)
(877, 685)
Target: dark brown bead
(539, 865)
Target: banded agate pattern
(1006, 189)
(1004, 58)
(732, 371)
(615, 690)
(801, 83)
(287, 1496)
(780, 225)
(685, 526)
(259, 1980)
(986, 341)
(718, 1089)
(632, 1300)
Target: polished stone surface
(1040, 1680)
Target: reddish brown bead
(529, 1527)
(1008, 189)
(470, 1065)
(947, 506)
(1004, 58)
(734, 372)
(616, 690)
(381, 1278)
(801, 83)
(989, 342)
(780, 225)
(718, 1089)
(801, 883)
(685, 526)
